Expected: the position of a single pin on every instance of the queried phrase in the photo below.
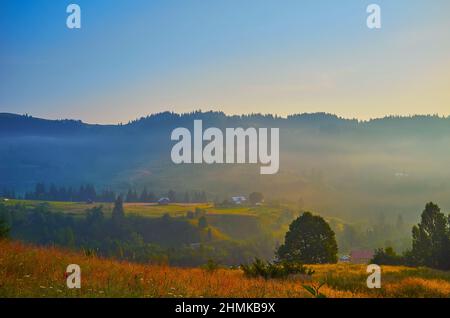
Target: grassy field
(150, 209)
(28, 271)
(251, 220)
(143, 209)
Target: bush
(387, 257)
(268, 270)
(211, 266)
(4, 229)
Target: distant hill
(330, 164)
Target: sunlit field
(146, 209)
(222, 220)
(29, 271)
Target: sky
(132, 58)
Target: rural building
(361, 256)
(238, 199)
(163, 201)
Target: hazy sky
(135, 57)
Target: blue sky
(136, 57)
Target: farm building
(361, 256)
(238, 199)
(163, 201)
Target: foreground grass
(28, 271)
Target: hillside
(253, 230)
(335, 166)
(150, 232)
(28, 271)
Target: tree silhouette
(202, 222)
(309, 240)
(187, 198)
(172, 196)
(4, 229)
(118, 213)
(431, 239)
(256, 197)
(144, 195)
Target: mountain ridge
(11, 122)
(331, 164)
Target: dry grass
(28, 271)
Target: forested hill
(25, 124)
(328, 163)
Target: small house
(238, 200)
(195, 245)
(361, 256)
(163, 201)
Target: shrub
(387, 257)
(268, 270)
(4, 229)
(211, 266)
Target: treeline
(430, 243)
(84, 193)
(124, 237)
(382, 230)
(180, 241)
(88, 193)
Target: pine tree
(144, 195)
(4, 229)
(202, 222)
(186, 197)
(172, 196)
(431, 239)
(118, 213)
